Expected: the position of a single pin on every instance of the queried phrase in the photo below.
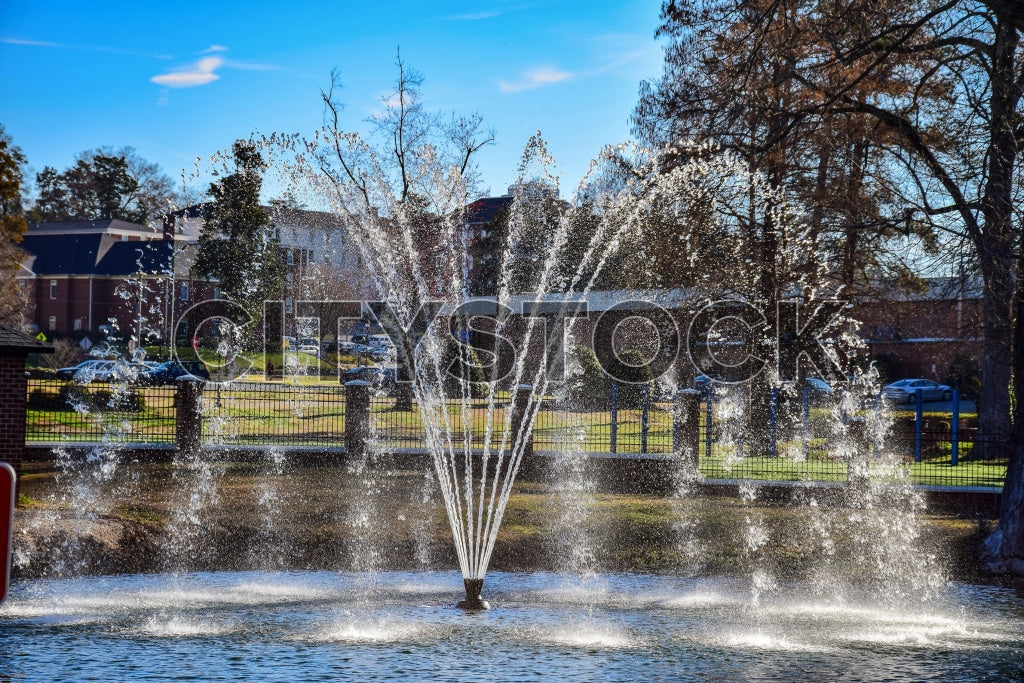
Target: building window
(78, 324)
(53, 323)
(53, 290)
(288, 304)
(216, 293)
(290, 255)
(184, 291)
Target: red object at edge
(6, 525)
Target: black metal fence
(69, 412)
(815, 440)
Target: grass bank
(273, 514)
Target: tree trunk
(996, 246)
(1003, 551)
(994, 408)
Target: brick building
(14, 348)
(921, 333)
(109, 277)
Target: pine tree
(238, 246)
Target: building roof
(111, 226)
(931, 289)
(16, 342)
(88, 254)
(486, 209)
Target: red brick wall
(13, 388)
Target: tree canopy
(12, 227)
(103, 184)
(238, 246)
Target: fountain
(835, 579)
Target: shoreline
(264, 516)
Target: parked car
(382, 378)
(904, 390)
(70, 372)
(311, 349)
(819, 387)
(167, 372)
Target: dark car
(168, 371)
(382, 379)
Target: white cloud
(203, 70)
(34, 43)
(538, 78)
(474, 16)
(199, 73)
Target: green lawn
(310, 412)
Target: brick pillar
(520, 399)
(686, 429)
(188, 414)
(13, 398)
(357, 418)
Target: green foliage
(102, 185)
(12, 227)
(71, 396)
(590, 387)
(635, 380)
(463, 364)
(237, 245)
(963, 375)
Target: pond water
(317, 626)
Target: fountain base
(473, 601)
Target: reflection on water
(322, 626)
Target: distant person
(270, 369)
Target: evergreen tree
(103, 185)
(237, 245)
(12, 227)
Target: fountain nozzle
(473, 601)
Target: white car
(311, 349)
(905, 390)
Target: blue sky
(183, 80)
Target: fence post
(686, 429)
(955, 430)
(918, 421)
(806, 421)
(857, 469)
(773, 422)
(645, 416)
(188, 414)
(520, 403)
(615, 418)
(357, 418)
(708, 415)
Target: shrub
(40, 399)
(587, 385)
(636, 378)
(72, 395)
(963, 375)
(470, 371)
